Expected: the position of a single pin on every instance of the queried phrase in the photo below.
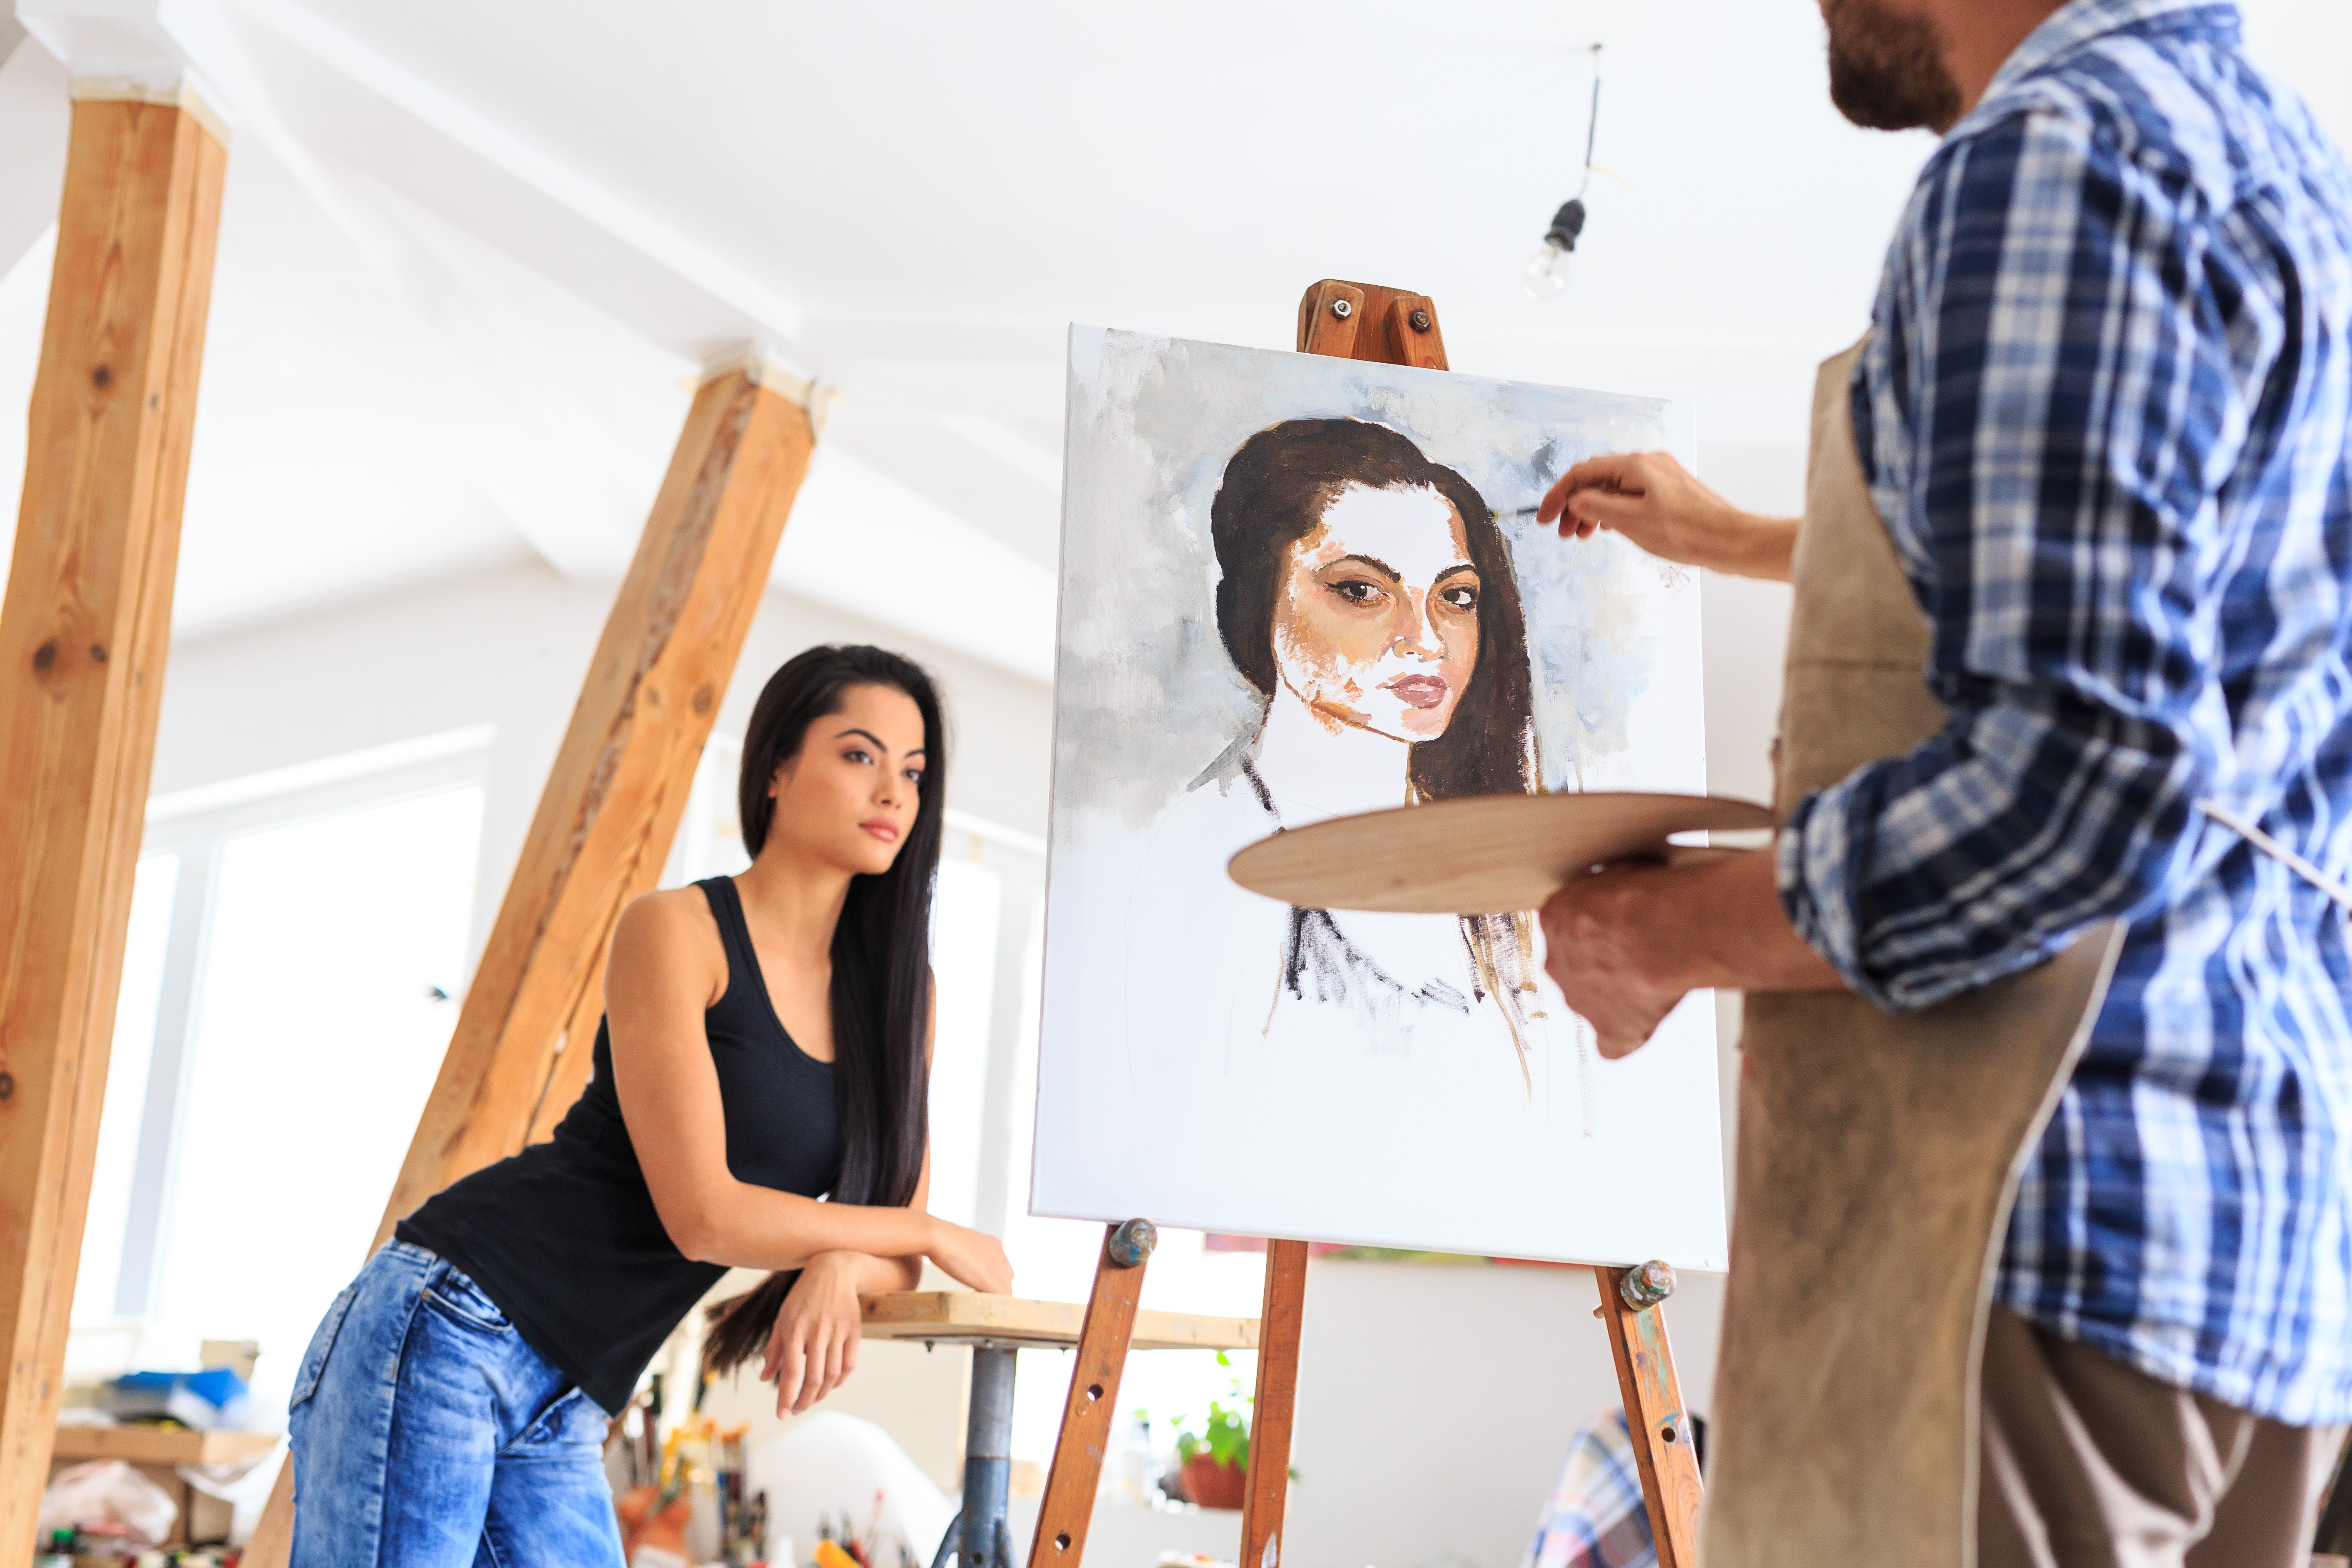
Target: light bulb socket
(1566, 225)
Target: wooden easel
(1365, 321)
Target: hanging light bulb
(1546, 275)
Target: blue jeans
(428, 1435)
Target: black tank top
(564, 1236)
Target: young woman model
(766, 1042)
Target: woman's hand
(969, 1256)
(814, 1346)
(1654, 500)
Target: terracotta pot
(1213, 1485)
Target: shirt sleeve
(2047, 410)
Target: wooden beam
(1277, 1397)
(611, 803)
(84, 629)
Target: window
(297, 940)
(335, 948)
(126, 1087)
(967, 908)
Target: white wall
(510, 648)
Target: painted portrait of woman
(1365, 594)
(1295, 587)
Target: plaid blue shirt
(2105, 416)
(1595, 1517)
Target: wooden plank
(613, 800)
(1412, 334)
(84, 630)
(964, 1316)
(1328, 318)
(1069, 1501)
(1663, 1448)
(1364, 333)
(160, 1445)
(1277, 1395)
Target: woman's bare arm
(1654, 500)
(880, 1276)
(814, 1345)
(667, 968)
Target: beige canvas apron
(1878, 1154)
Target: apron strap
(2278, 851)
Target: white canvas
(1213, 1059)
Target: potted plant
(1216, 1459)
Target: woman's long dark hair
(1274, 494)
(881, 960)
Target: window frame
(196, 825)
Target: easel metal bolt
(1132, 1242)
(1420, 320)
(1644, 1288)
(1341, 309)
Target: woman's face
(1377, 622)
(848, 798)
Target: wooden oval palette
(1486, 855)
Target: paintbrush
(1531, 511)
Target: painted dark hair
(1274, 494)
(881, 959)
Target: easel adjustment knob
(1132, 1242)
(1644, 1288)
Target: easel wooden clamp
(1364, 321)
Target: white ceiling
(472, 255)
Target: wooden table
(998, 1328)
(969, 1318)
(158, 1444)
(157, 1452)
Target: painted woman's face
(1376, 623)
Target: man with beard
(2047, 941)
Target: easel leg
(1069, 1500)
(1278, 1391)
(1662, 1449)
